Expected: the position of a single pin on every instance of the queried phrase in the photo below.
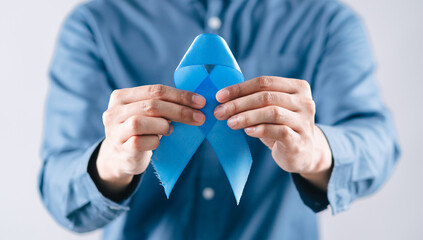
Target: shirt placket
(213, 21)
(210, 178)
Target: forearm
(365, 152)
(70, 194)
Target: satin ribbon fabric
(207, 67)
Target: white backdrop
(28, 32)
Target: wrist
(111, 178)
(322, 161)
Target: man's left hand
(280, 112)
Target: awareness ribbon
(207, 67)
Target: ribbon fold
(207, 67)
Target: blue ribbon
(207, 67)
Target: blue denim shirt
(106, 45)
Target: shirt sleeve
(73, 129)
(351, 114)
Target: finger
(254, 101)
(157, 108)
(273, 131)
(137, 144)
(137, 125)
(162, 92)
(272, 114)
(263, 83)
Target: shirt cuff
(338, 192)
(108, 208)
(313, 197)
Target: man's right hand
(134, 122)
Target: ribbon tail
(232, 149)
(174, 153)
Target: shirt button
(208, 193)
(214, 23)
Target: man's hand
(134, 123)
(280, 112)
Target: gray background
(28, 31)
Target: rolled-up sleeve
(351, 114)
(73, 130)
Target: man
(318, 131)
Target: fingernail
(250, 129)
(170, 131)
(233, 121)
(198, 117)
(198, 100)
(222, 95)
(220, 111)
